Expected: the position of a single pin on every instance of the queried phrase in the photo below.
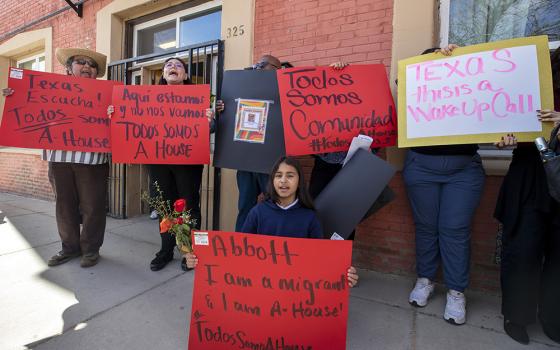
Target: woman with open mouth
(176, 180)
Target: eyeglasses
(83, 62)
(177, 65)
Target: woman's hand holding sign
(191, 259)
(210, 114)
(7, 92)
(352, 276)
(448, 50)
(547, 115)
(220, 106)
(338, 65)
(110, 111)
(508, 140)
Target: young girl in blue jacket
(287, 212)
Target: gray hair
(69, 64)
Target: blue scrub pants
(444, 192)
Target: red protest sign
(161, 124)
(53, 111)
(324, 108)
(266, 292)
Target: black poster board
(350, 194)
(240, 155)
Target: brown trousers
(81, 192)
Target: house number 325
(236, 31)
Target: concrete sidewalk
(121, 304)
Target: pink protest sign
(471, 97)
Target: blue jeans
(444, 192)
(250, 185)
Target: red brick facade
(320, 32)
(24, 174)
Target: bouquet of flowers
(176, 220)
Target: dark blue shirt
(267, 218)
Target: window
(36, 62)
(173, 28)
(137, 78)
(194, 30)
(191, 26)
(156, 39)
(468, 22)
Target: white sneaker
(456, 307)
(421, 292)
(153, 215)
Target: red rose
(179, 205)
(180, 220)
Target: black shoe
(89, 259)
(184, 265)
(161, 259)
(516, 331)
(555, 337)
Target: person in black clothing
(530, 264)
(177, 181)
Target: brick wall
(320, 32)
(23, 173)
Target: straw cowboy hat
(62, 55)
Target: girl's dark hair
(187, 81)
(301, 192)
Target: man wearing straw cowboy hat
(79, 179)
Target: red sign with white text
(59, 112)
(161, 124)
(324, 108)
(266, 292)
